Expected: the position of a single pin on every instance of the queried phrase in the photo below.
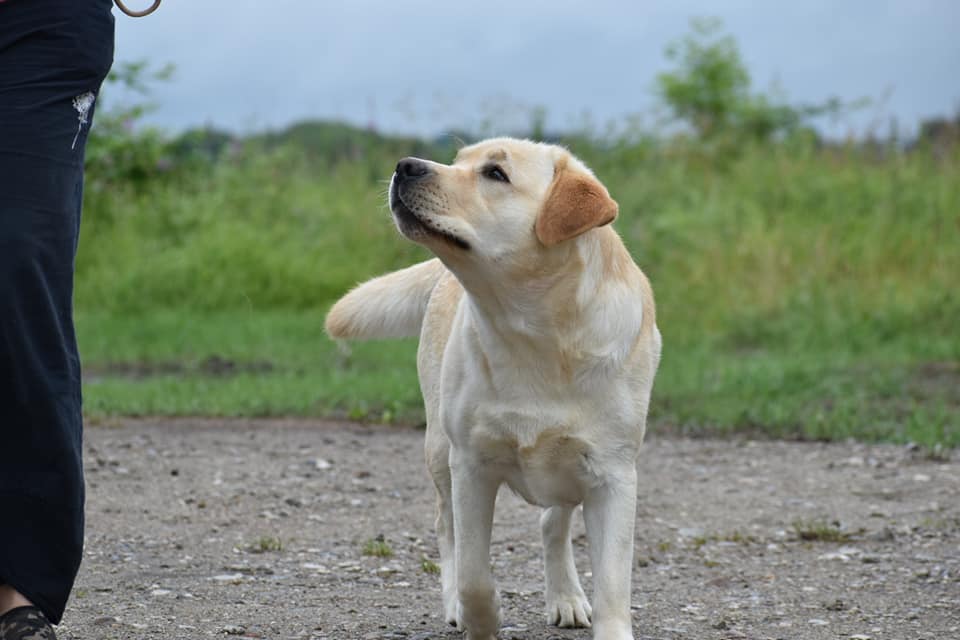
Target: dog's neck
(576, 307)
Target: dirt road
(259, 529)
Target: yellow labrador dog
(538, 349)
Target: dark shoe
(25, 623)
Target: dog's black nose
(412, 168)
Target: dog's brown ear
(576, 203)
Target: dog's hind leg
(567, 605)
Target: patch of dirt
(214, 365)
(258, 529)
(937, 380)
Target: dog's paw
(480, 617)
(451, 613)
(569, 610)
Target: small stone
(160, 592)
(818, 622)
(921, 477)
(233, 630)
(836, 605)
(322, 464)
(319, 568)
(513, 627)
(228, 577)
(106, 621)
(861, 636)
(884, 535)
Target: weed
(429, 566)
(377, 547)
(740, 538)
(736, 536)
(820, 531)
(266, 544)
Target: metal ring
(137, 14)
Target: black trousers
(54, 55)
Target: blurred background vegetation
(806, 287)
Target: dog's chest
(548, 459)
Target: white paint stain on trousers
(82, 103)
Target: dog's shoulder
(438, 320)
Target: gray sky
(428, 67)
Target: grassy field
(801, 292)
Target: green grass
(266, 544)
(801, 292)
(267, 363)
(377, 547)
(429, 566)
(820, 531)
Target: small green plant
(739, 538)
(377, 547)
(429, 566)
(820, 531)
(266, 544)
(736, 536)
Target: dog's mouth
(414, 226)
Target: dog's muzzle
(410, 169)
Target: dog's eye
(494, 172)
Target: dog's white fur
(538, 349)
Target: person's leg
(10, 598)
(54, 55)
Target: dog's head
(500, 200)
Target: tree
(710, 85)
(709, 91)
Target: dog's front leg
(474, 496)
(609, 512)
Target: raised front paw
(568, 610)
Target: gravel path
(203, 528)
